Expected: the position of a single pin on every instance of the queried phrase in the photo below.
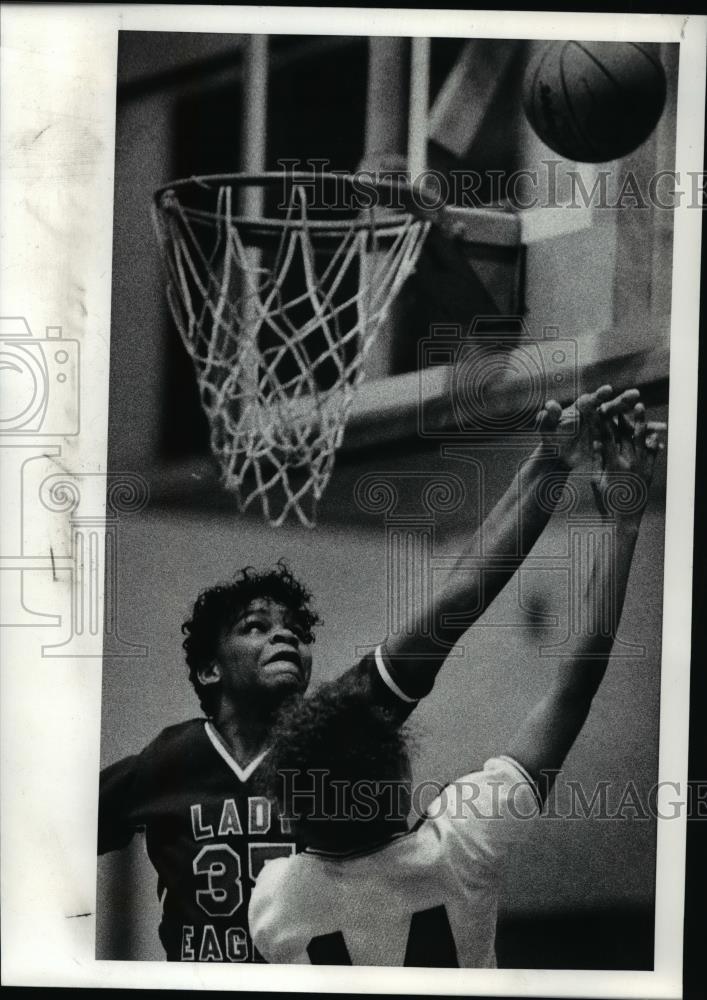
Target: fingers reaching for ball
(549, 417)
(625, 451)
(623, 403)
(600, 421)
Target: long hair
(336, 763)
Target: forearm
(507, 535)
(482, 569)
(546, 736)
(581, 673)
(513, 526)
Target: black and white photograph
(349, 449)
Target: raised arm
(508, 533)
(627, 450)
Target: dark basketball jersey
(208, 832)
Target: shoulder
(502, 785)
(169, 741)
(278, 907)
(273, 876)
(485, 811)
(273, 886)
(175, 743)
(180, 734)
(283, 880)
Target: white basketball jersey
(424, 898)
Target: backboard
(595, 273)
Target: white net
(277, 316)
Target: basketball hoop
(277, 309)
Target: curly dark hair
(218, 607)
(337, 730)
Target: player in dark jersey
(248, 648)
(368, 891)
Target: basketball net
(277, 316)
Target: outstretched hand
(575, 429)
(623, 455)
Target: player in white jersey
(367, 890)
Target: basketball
(594, 101)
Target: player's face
(264, 653)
